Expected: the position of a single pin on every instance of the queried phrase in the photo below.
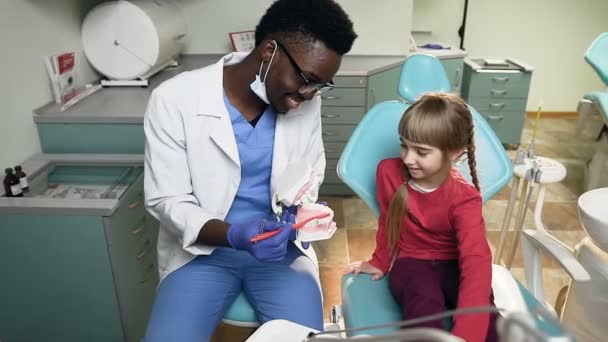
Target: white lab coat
(192, 168)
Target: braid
(471, 158)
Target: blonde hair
(440, 120)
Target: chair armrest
(367, 302)
(559, 252)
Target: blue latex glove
(271, 249)
(289, 216)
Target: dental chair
(419, 76)
(586, 304)
(367, 302)
(595, 103)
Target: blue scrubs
(192, 300)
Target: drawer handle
(330, 116)
(495, 117)
(498, 92)
(500, 79)
(134, 204)
(144, 250)
(148, 275)
(138, 230)
(330, 97)
(497, 105)
(329, 134)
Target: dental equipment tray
(87, 185)
(497, 64)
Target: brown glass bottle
(25, 185)
(11, 184)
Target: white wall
(30, 29)
(443, 17)
(383, 25)
(551, 35)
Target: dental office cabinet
(111, 120)
(78, 251)
(498, 89)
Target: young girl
(431, 220)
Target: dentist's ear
(269, 48)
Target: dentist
(217, 138)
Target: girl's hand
(364, 267)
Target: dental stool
(241, 313)
(596, 103)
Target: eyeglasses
(309, 86)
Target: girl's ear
(457, 154)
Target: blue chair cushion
(367, 302)
(601, 99)
(241, 312)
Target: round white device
(127, 40)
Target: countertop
(126, 105)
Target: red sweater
(455, 229)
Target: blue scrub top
(255, 147)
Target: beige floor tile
(561, 216)
(361, 244)
(494, 214)
(225, 332)
(332, 252)
(569, 238)
(494, 239)
(356, 212)
(331, 280)
(503, 194)
(336, 204)
(553, 281)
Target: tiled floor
(355, 238)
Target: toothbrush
(298, 225)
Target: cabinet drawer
(499, 85)
(344, 97)
(508, 126)
(335, 189)
(128, 221)
(334, 133)
(342, 115)
(494, 105)
(334, 149)
(350, 81)
(331, 175)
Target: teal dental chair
(419, 75)
(366, 302)
(595, 103)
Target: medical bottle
(11, 184)
(22, 178)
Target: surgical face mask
(258, 86)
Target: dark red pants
(426, 287)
